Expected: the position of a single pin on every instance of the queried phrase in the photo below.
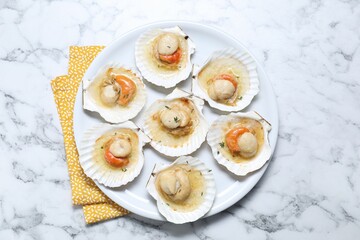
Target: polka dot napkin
(97, 207)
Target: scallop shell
(106, 176)
(250, 65)
(163, 79)
(198, 136)
(117, 113)
(209, 196)
(216, 134)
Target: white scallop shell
(216, 134)
(209, 196)
(117, 113)
(198, 135)
(166, 80)
(106, 176)
(250, 65)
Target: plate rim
(235, 197)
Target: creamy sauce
(229, 66)
(255, 128)
(161, 134)
(160, 67)
(124, 133)
(196, 197)
(96, 85)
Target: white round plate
(230, 188)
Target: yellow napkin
(97, 207)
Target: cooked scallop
(112, 154)
(221, 89)
(167, 44)
(163, 56)
(228, 81)
(176, 124)
(184, 191)
(239, 142)
(116, 93)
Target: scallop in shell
(112, 154)
(176, 124)
(239, 141)
(228, 80)
(163, 56)
(116, 93)
(184, 191)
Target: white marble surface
(310, 50)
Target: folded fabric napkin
(96, 205)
